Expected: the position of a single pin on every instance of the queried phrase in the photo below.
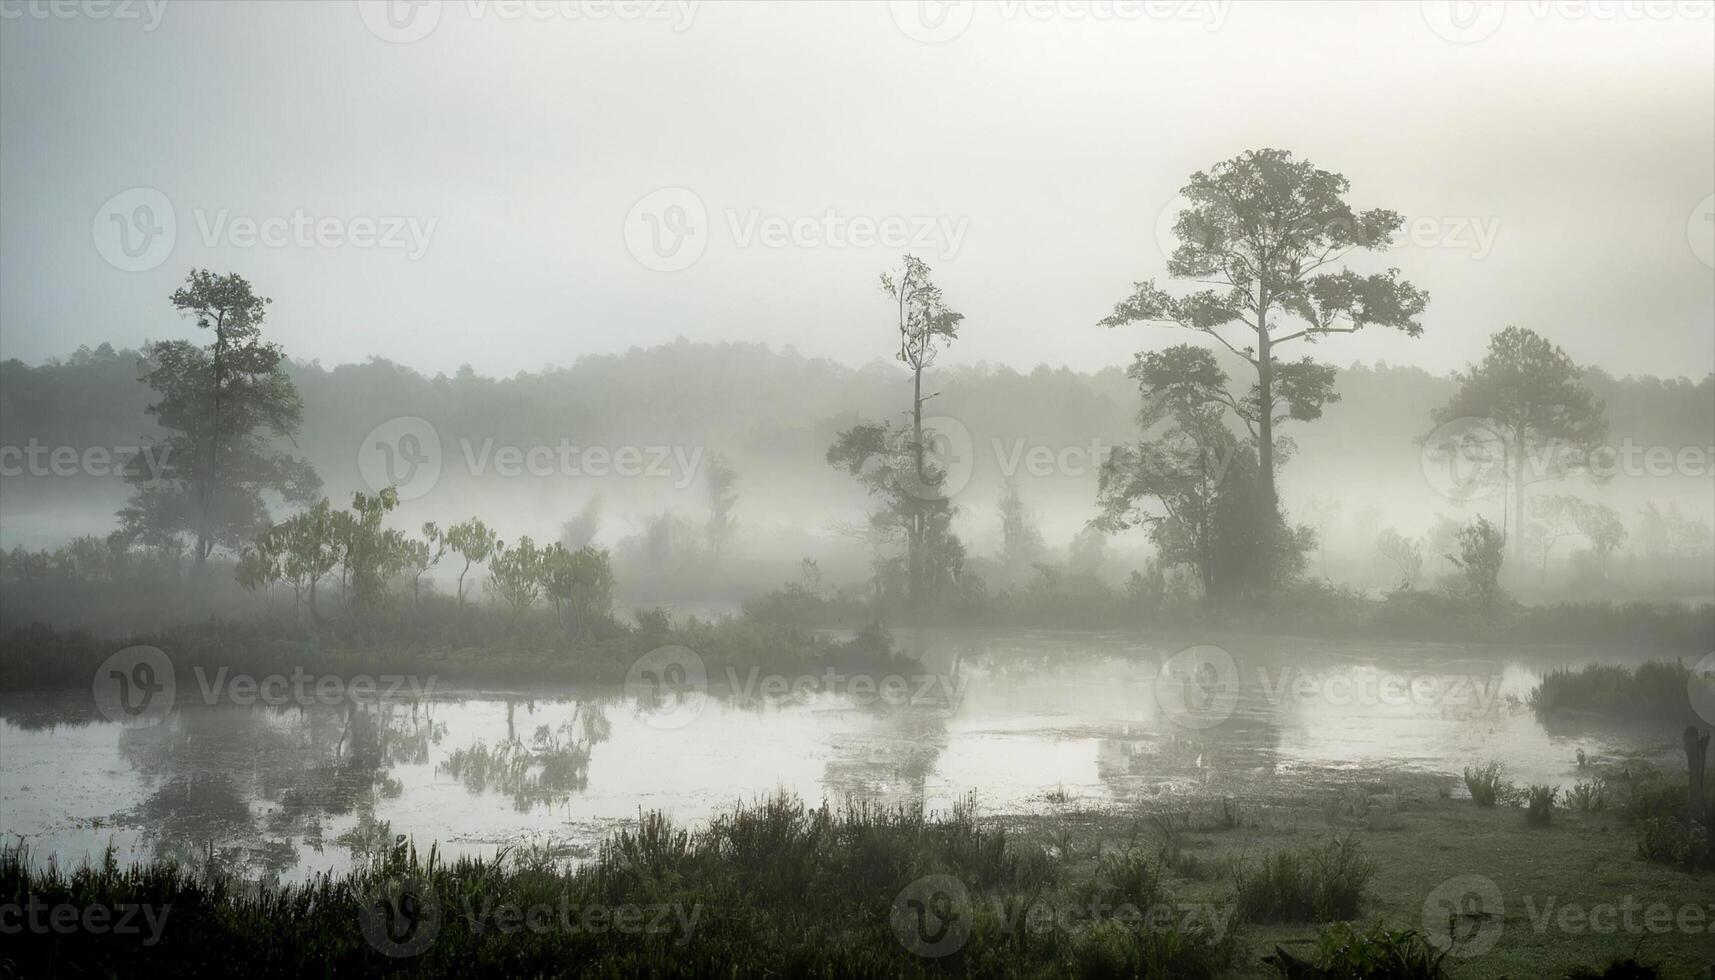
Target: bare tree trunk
(914, 528)
(1518, 494)
(1265, 424)
(1696, 758)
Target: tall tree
(1169, 479)
(887, 462)
(1405, 553)
(1192, 483)
(225, 407)
(1020, 539)
(1482, 551)
(1268, 232)
(925, 326)
(721, 482)
(473, 541)
(1543, 423)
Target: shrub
(1655, 691)
(1587, 796)
(1127, 876)
(1539, 805)
(1313, 885)
(1485, 783)
(1669, 840)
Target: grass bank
(1180, 888)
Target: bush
(1539, 805)
(1587, 796)
(1654, 691)
(1314, 885)
(1485, 783)
(1670, 840)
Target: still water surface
(1021, 721)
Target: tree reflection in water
(547, 769)
(239, 788)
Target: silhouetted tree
(1266, 230)
(1542, 422)
(224, 406)
(721, 482)
(925, 325)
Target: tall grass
(1539, 804)
(1655, 691)
(1317, 884)
(774, 887)
(1485, 783)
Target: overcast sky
(514, 185)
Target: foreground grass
(772, 889)
(779, 888)
(1549, 879)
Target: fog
(873, 489)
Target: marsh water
(1019, 721)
